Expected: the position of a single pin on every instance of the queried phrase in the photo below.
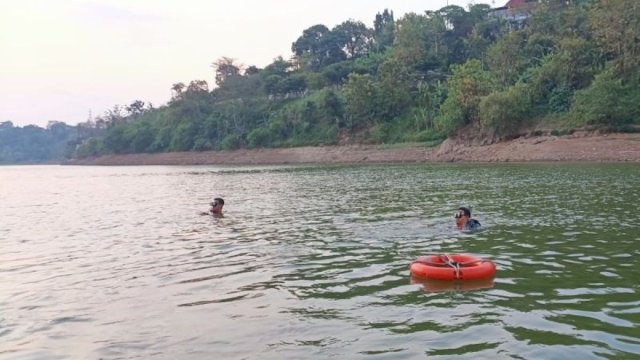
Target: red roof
(513, 3)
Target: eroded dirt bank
(578, 147)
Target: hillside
(564, 65)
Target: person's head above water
(462, 216)
(464, 220)
(216, 206)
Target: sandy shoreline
(577, 147)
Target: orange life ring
(453, 267)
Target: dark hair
(219, 201)
(465, 210)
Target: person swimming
(464, 220)
(216, 206)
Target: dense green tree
(33, 144)
(460, 25)
(396, 84)
(616, 27)
(419, 78)
(318, 47)
(115, 140)
(177, 89)
(570, 67)
(331, 107)
(198, 86)
(506, 58)
(383, 30)
(136, 108)
(279, 66)
(142, 137)
(240, 87)
(363, 98)
(610, 100)
(225, 68)
(354, 36)
(503, 112)
(469, 82)
(411, 44)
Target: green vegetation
(569, 63)
(33, 144)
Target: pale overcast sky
(61, 59)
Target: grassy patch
(628, 128)
(409, 145)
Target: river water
(312, 262)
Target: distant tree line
(36, 145)
(552, 64)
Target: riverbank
(579, 147)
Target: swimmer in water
(216, 207)
(464, 220)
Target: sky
(69, 60)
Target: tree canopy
(33, 144)
(422, 77)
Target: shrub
(379, 133)
(627, 129)
(258, 137)
(426, 136)
(92, 147)
(608, 101)
(230, 142)
(202, 145)
(450, 119)
(503, 111)
(559, 99)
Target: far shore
(579, 147)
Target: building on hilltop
(518, 3)
(515, 11)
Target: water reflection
(453, 286)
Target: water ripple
(312, 262)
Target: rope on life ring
(446, 260)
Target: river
(312, 262)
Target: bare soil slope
(577, 147)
